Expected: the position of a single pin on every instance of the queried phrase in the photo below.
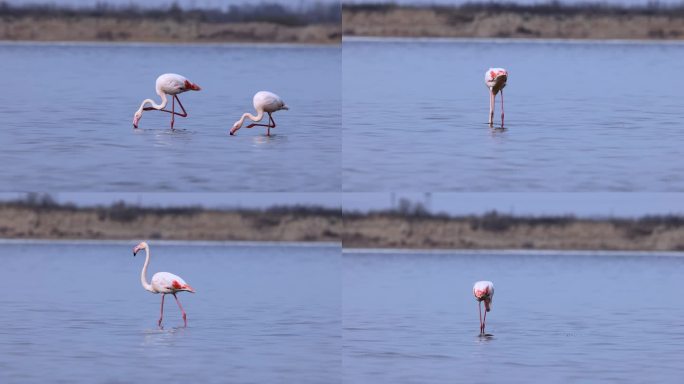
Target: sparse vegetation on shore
(415, 228)
(40, 217)
(264, 22)
(504, 20)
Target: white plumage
(263, 101)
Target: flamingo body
(162, 282)
(264, 102)
(167, 84)
(165, 282)
(495, 80)
(484, 292)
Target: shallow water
(580, 116)
(78, 313)
(67, 113)
(411, 318)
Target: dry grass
(45, 219)
(501, 20)
(272, 23)
(495, 231)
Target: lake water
(556, 317)
(67, 113)
(580, 116)
(76, 312)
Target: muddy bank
(128, 222)
(548, 21)
(110, 29)
(494, 231)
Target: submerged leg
(484, 322)
(185, 318)
(479, 306)
(491, 107)
(502, 110)
(173, 110)
(161, 313)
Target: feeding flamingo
(495, 79)
(162, 282)
(484, 291)
(264, 101)
(167, 84)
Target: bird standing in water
(495, 79)
(162, 282)
(264, 101)
(167, 84)
(484, 291)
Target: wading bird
(162, 282)
(264, 101)
(495, 79)
(484, 291)
(167, 84)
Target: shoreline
(503, 40)
(241, 243)
(493, 231)
(508, 20)
(514, 251)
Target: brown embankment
(487, 20)
(492, 231)
(169, 31)
(317, 23)
(21, 220)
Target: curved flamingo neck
(258, 117)
(164, 101)
(143, 278)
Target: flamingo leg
(184, 114)
(492, 100)
(161, 314)
(484, 322)
(173, 110)
(479, 306)
(502, 110)
(185, 318)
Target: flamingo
(167, 84)
(484, 291)
(162, 282)
(264, 101)
(495, 79)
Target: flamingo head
(236, 126)
(190, 86)
(136, 118)
(139, 247)
(488, 304)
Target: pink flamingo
(495, 79)
(264, 101)
(162, 282)
(167, 84)
(484, 291)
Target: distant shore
(494, 231)
(410, 228)
(241, 24)
(21, 220)
(506, 20)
